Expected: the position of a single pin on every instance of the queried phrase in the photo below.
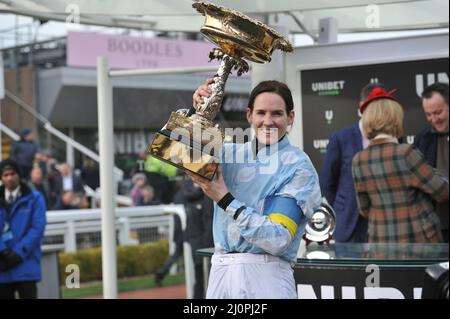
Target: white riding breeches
(250, 276)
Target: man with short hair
(22, 225)
(66, 182)
(39, 183)
(433, 140)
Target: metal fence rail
(70, 230)
(81, 228)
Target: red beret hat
(375, 94)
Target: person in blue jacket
(22, 225)
(336, 180)
(263, 192)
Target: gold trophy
(190, 140)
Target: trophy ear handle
(186, 112)
(191, 111)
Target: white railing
(7, 131)
(69, 223)
(13, 135)
(95, 197)
(67, 139)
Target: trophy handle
(211, 105)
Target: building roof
(178, 15)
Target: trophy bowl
(238, 38)
(238, 35)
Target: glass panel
(359, 253)
(386, 252)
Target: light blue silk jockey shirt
(280, 189)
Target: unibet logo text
(328, 88)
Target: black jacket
(426, 141)
(78, 185)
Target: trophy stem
(211, 106)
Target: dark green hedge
(135, 260)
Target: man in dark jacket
(65, 182)
(22, 225)
(336, 180)
(23, 153)
(433, 140)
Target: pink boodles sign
(126, 52)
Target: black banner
(330, 97)
(359, 282)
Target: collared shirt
(278, 170)
(67, 183)
(15, 194)
(365, 140)
(386, 137)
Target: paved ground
(167, 292)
